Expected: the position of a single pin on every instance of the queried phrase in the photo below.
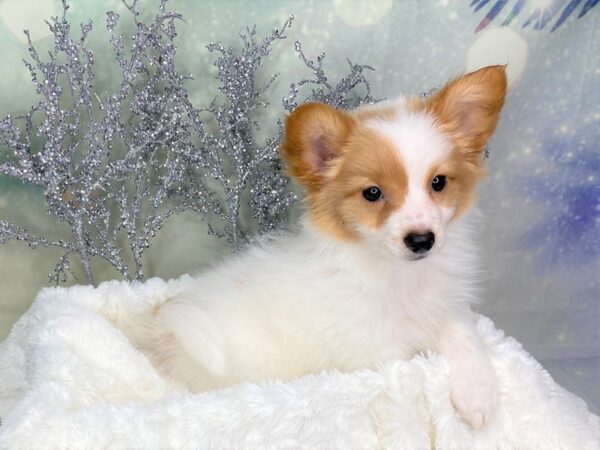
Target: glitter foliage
(115, 167)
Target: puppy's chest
(398, 315)
(412, 315)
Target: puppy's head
(395, 175)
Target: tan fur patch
(334, 156)
(468, 108)
(314, 135)
(368, 160)
(461, 181)
(381, 112)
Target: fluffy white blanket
(70, 378)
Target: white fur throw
(70, 378)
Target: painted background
(540, 209)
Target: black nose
(420, 243)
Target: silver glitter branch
(232, 156)
(346, 94)
(117, 167)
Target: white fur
(70, 379)
(306, 302)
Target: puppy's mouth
(417, 257)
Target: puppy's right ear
(314, 136)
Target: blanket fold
(69, 377)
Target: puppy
(384, 263)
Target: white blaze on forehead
(419, 143)
(420, 146)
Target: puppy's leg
(473, 381)
(198, 335)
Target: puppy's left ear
(469, 108)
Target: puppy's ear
(469, 108)
(314, 136)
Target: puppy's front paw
(474, 396)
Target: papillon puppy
(384, 264)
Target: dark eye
(438, 182)
(372, 193)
